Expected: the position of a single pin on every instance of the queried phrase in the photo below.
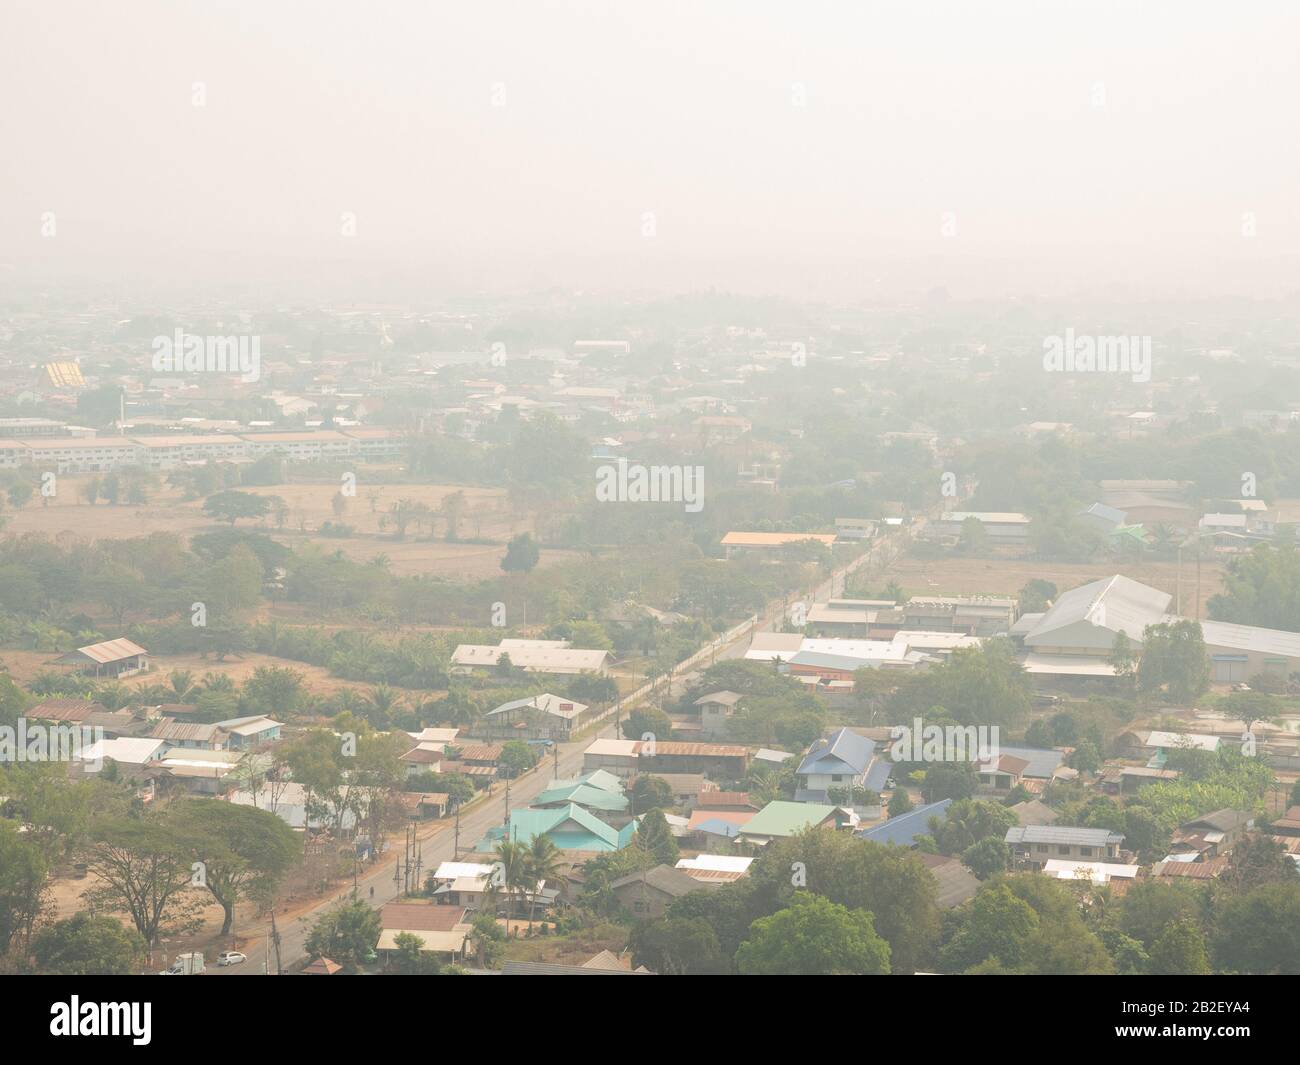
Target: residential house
(647, 894)
(842, 760)
(1212, 834)
(715, 710)
(424, 805)
(1034, 845)
(464, 884)
(443, 929)
(956, 883)
(1172, 868)
(600, 793)
(422, 758)
(65, 711)
(199, 770)
(1093, 872)
(251, 731)
(716, 868)
(1034, 812)
(1001, 774)
(132, 756)
(684, 786)
(780, 819)
(569, 827)
(181, 734)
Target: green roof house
(779, 819)
(569, 827)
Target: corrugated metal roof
(1068, 834)
(111, 651)
(904, 828)
(421, 916)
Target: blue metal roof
(844, 752)
(878, 774)
(718, 827)
(904, 828)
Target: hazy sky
(806, 148)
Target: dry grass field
(485, 514)
(973, 576)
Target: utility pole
(1198, 580)
(1178, 584)
(455, 851)
(275, 939)
(556, 751)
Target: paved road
(438, 844)
(438, 839)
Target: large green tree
(86, 945)
(231, 506)
(1174, 659)
(142, 868)
(1259, 932)
(23, 883)
(814, 937)
(889, 882)
(244, 851)
(677, 946)
(346, 934)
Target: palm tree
(383, 702)
(512, 874)
(543, 861)
(217, 682)
(112, 696)
(182, 682)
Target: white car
(231, 957)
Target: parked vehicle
(231, 957)
(186, 965)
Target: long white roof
(1094, 612)
(1097, 872)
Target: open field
(485, 515)
(972, 576)
(24, 665)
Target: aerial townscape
(363, 613)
